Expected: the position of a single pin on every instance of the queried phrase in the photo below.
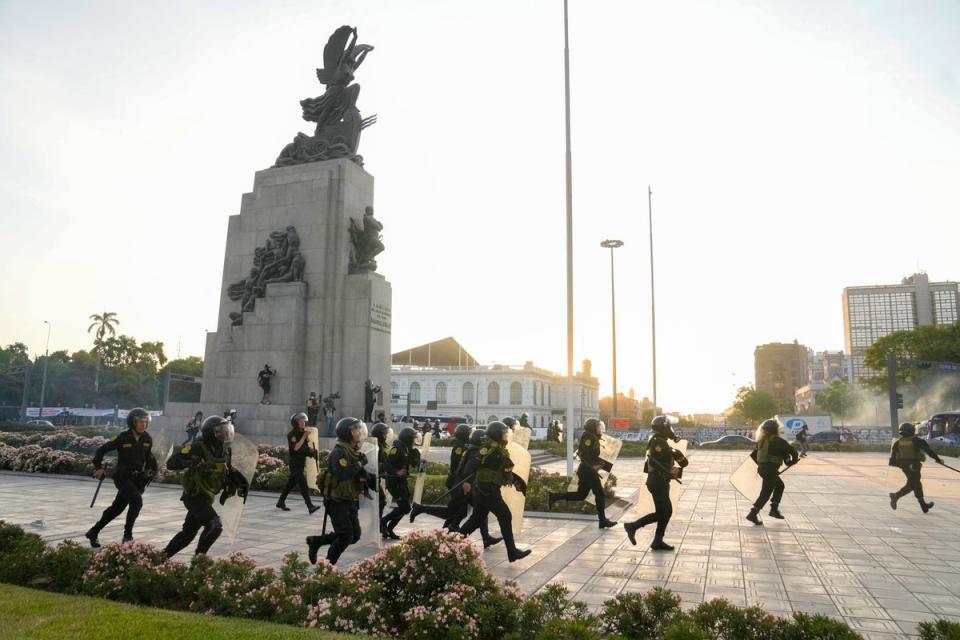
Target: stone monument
(300, 289)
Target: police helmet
(462, 432)
(477, 436)
(908, 429)
(135, 415)
(408, 435)
(594, 426)
(661, 426)
(295, 418)
(497, 431)
(510, 421)
(345, 428)
(770, 426)
(217, 430)
(380, 431)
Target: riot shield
(312, 467)
(521, 436)
(521, 467)
(422, 470)
(609, 451)
(243, 457)
(746, 481)
(645, 503)
(369, 515)
(162, 446)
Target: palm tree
(104, 324)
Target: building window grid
(414, 393)
(516, 393)
(441, 393)
(468, 393)
(493, 393)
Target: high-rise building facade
(780, 369)
(872, 312)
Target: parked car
(838, 437)
(40, 423)
(732, 439)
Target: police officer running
(380, 431)
(494, 470)
(908, 454)
(802, 436)
(460, 438)
(588, 472)
(207, 472)
(400, 459)
(771, 451)
(345, 481)
(136, 467)
(300, 450)
(660, 471)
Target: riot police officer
(460, 438)
(136, 467)
(465, 497)
(380, 431)
(588, 472)
(908, 454)
(347, 479)
(400, 459)
(207, 472)
(494, 470)
(663, 464)
(770, 452)
(300, 450)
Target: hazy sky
(793, 148)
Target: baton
(780, 473)
(449, 491)
(323, 529)
(661, 467)
(944, 464)
(97, 492)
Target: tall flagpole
(653, 303)
(571, 420)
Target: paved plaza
(841, 550)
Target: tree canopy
(755, 405)
(913, 350)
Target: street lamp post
(613, 244)
(46, 359)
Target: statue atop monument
(365, 242)
(339, 124)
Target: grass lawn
(40, 615)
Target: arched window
(414, 393)
(492, 418)
(493, 394)
(467, 393)
(441, 393)
(516, 393)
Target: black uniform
(770, 453)
(660, 460)
(458, 500)
(376, 483)
(298, 461)
(399, 458)
(494, 469)
(908, 454)
(136, 467)
(588, 478)
(802, 436)
(347, 481)
(207, 472)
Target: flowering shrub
(642, 615)
(36, 459)
(134, 572)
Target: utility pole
(612, 244)
(892, 392)
(569, 196)
(653, 301)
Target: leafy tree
(926, 344)
(103, 324)
(839, 398)
(14, 362)
(755, 405)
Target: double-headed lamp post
(46, 359)
(613, 244)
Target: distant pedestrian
(802, 436)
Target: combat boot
(91, 535)
(775, 512)
(312, 508)
(893, 501)
(606, 524)
(313, 545)
(926, 506)
(752, 517)
(415, 510)
(517, 554)
(660, 545)
(631, 529)
(282, 505)
(490, 541)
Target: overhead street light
(613, 244)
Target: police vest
(207, 479)
(349, 488)
(501, 475)
(908, 452)
(763, 453)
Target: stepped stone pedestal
(328, 332)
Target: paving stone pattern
(841, 550)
